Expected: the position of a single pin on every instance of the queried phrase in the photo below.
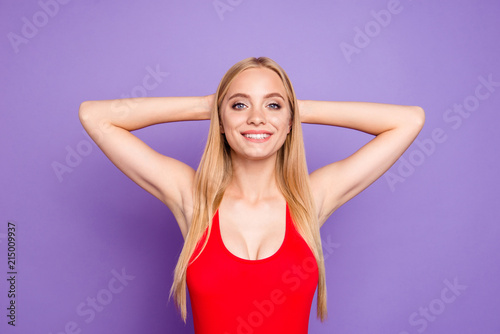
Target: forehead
(257, 82)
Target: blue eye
(238, 105)
(274, 106)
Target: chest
(272, 294)
(251, 233)
(291, 268)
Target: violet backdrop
(416, 252)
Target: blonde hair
(215, 171)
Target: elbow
(418, 117)
(85, 112)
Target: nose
(256, 116)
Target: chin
(254, 156)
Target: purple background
(391, 253)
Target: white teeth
(257, 135)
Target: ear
(289, 126)
(221, 128)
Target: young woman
(250, 215)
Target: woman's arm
(394, 127)
(109, 123)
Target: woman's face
(255, 114)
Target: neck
(253, 180)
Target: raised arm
(110, 122)
(394, 127)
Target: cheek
(227, 125)
(232, 121)
(282, 122)
(224, 122)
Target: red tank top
(231, 295)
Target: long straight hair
(215, 172)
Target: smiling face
(255, 114)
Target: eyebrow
(248, 96)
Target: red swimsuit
(231, 295)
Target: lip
(257, 132)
